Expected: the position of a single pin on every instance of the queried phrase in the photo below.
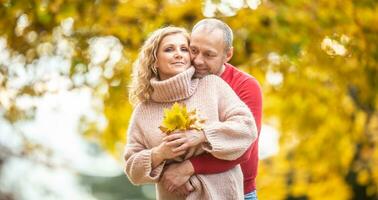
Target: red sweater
(249, 91)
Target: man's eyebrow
(210, 51)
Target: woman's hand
(164, 152)
(184, 140)
(167, 150)
(175, 145)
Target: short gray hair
(212, 24)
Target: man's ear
(229, 54)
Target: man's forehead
(209, 29)
(208, 39)
(207, 32)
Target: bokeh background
(65, 66)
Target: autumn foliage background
(317, 62)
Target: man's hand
(185, 189)
(176, 175)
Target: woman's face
(172, 56)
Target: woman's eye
(184, 49)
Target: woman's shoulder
(141, 111)
(141, 107)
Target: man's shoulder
(243, 78)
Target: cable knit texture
(230, 129)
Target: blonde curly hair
(144, 69)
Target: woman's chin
(182, 69)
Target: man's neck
(221, 70)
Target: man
(211, 49)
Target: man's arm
(202, 164)
(176, 175)
(250, 94)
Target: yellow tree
(316, 60)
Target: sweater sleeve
(138, 163)
(229, 138)
(249, 93)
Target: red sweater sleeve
(250, 94)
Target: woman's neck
(178, 87)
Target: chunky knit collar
(176, 88)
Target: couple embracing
(215, 161)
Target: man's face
(207, 50)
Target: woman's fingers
(173, 136)
(183, 147)
(168, 152)
(177, 142)
(181, 141)
(179, 153)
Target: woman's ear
(154, 69)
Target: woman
(162, 76)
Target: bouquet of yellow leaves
(178, 118)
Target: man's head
(210, 46)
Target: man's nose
(198, 59)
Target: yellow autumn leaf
(178, 118)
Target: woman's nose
(178, 54)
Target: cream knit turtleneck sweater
(229, 129)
